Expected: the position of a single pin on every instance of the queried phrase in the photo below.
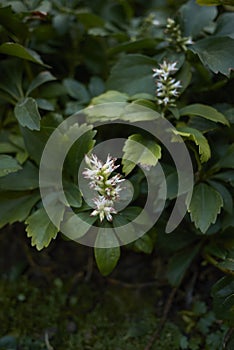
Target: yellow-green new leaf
(141, 151)
(215, 2)
(199, 139)
(110, 96)
(40, 229)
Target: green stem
(196, 155)
(215, 263)
(8, 98)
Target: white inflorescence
(107, 187)
(166, 86)
(174, 36)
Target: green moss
(110, 318)
(81, 320)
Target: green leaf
(96, 86)
(110, 96)
(40, 229)
(72, 194)
(73, 107)
(42, 78)
(202, 124)
(132, 74)
(225, 176)
(226, 195)
(223, 299)
(44, 104)
(17, 140)
(198, 138)
(139, 150)
(17, 5)
(119, 224)
(133, 46)
(106, 258)
(16, 206)
(25, 179)
(27, 113)
(216, 249)
(172, 185)
(195, 18)
(225, 25)
(76, 90)
(11, 78)
(184, 76)
(133, 112)
(72, 230)
(144, 244)
(17, 50)
(8, 342)
(228, 220)
(7, 147)
(15, 145)
(204, 111)
(35, 141)
(145, 103)
(205, 205)
(8, 165)
(227, 160)
(11, 22)
(53, 90)
(215, 2)
(227, 264)
(141, 220)
(181, 238)
(216, 53)
(179, 264)
(89, 19)
(78, 150)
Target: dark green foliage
(58, 57)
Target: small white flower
(176, 84)
(189, 41)
(107, 187)
(175, 37)
(109, 166)
(169, 67)
(156, 22)
(165, 70)
(166, 86)
(93, 162)
(104, 208)
(114, 180)
(166, 101)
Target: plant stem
(215, 263)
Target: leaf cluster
(58, 57)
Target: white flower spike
(107, 187)
(174, 36)
(166, 86)
(104, 208)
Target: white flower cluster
(107, 187)
(175, 37)
(166, 86)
